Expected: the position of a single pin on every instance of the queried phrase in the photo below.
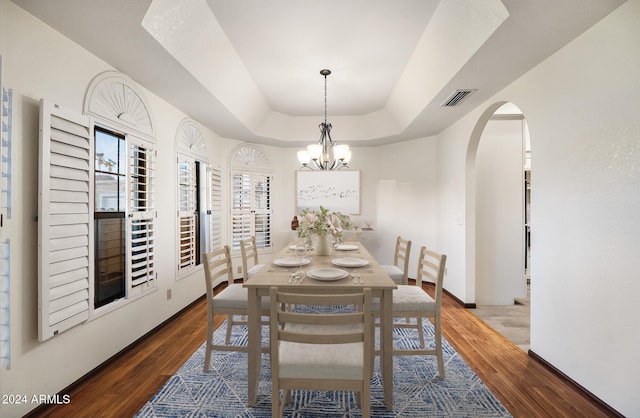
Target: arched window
(199, 200)
(251, 186)
(124, 188)
(96, 211)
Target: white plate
(347, 247)
(327, 274)
(291, 261)
(350, 262)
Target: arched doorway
(498, 168)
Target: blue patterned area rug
(418, 391)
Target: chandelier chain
(325, 99)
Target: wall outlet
(168, 294)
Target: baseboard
(461, 303)
(579, 388)
(451, 295)
(38, 411)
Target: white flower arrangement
(323, 222)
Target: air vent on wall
(457, 97)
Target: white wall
(500, 213)
(40, 63)
(586, 208)
(406, 198)
(581, 106)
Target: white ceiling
(249, 69)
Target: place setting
(298, 261)
(352, 263)
(347, 247)
(327, 274)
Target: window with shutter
(241, 215)
(65, 210)
(4, 304)
(95, 212)
(199, 214)
(186, 212)
(110, 175)
(141, 216)
(262, 209)
(216, 208)
(124, 216)
(6, 114)
(251, 185)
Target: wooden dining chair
(411, 301)
(249, 251)
(320, 351)
(230, 301)
(399, 270)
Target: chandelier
(326, 154)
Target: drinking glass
(300, 251)
(335, 243)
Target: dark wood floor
(524, 386)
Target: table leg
(386, 345)
(254, 345)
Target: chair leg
(372, 358)
(227, 339)
(276, 411)
(420, 332)
(365, 401)
(209, 347)
(438, 336)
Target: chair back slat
(299, 337)
(321, 319)
(331, 328)
(318, 299)
(401, 256)
(217, 264)
(431, 267)
(249, 252)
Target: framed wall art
(335, 190)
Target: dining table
(349, 268)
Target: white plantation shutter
(241, 216)
(215, 231)
(142, 213)
(262, 209)
(186, 212)
(251, 208)
(65, 213)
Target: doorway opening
(499, 239)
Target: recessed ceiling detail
(245, 68)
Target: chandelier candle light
(326, 154)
